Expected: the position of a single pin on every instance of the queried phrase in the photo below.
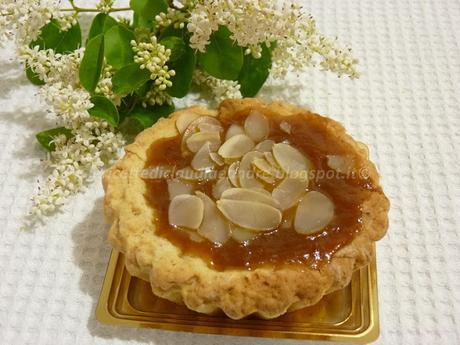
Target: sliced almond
(289, 192)
(232, 174)
(234, 130)
(246, 174)
(197, 140)
(186, 211)
(265, 146)
(315, 211)
(242, 235)
(214, 226)
(245, 194)
(291, 160)
(189, 174)
(216, 158)
(192, 128)
(285, 127)
(263, 165)
(236, 146)
(250, 214)
(264, 177)
(341, 164)
(270, 159)
(257, 126)
(220, 187)
(178, 187)
(202, 160)
(210, 127)
(192, 234)
(184, 120)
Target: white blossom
(256, 22)
(153, 56)
(104, 5)
(105, 87)
(93, 143)
(220, 89)
(23, 19)
(174, 17)
(155, 96)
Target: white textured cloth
(406, 106)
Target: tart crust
(267, 292)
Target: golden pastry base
(348, 315)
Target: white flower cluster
(105, 87)
(67, 21)
(254, 22)
(172, 17)
(155, 96)
(53, 67)
(220, 89)
(153, 56)
(23, 19)
(93, 142)
(104, 5)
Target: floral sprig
(130, 70)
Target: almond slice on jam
(186, 211)
(341, 164)
(314, 212)
(233, 130)
(214, 226)
(290, 159)
(242, 235)
(223, 184)
(202, 160)
(256, 126)
(249, 214)
(236, 146)
(289, 192)
(232, 173)
(246, 175)
(178, 187)
(197, 140)
(216, 158)
(265, 146)
(189, 174)
(184, 120)
(246, 194)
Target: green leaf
(45, 138)
(117, 46)
(101, 24)
(70, 40)
(129, 78)
(104, 109)
(146, 10)
(255, 72)
(33, 77)
(91, 64)
(140, 118)
(223, 59)
(184, 68)
(177, 46)
(51, 37)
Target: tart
(253, 209)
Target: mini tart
(278, 268)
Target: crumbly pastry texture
(267, 292)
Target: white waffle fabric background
(406, 106)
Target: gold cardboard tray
(348, 315)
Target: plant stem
(81, 9)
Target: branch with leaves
(105, 88)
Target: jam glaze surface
(309, 134)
